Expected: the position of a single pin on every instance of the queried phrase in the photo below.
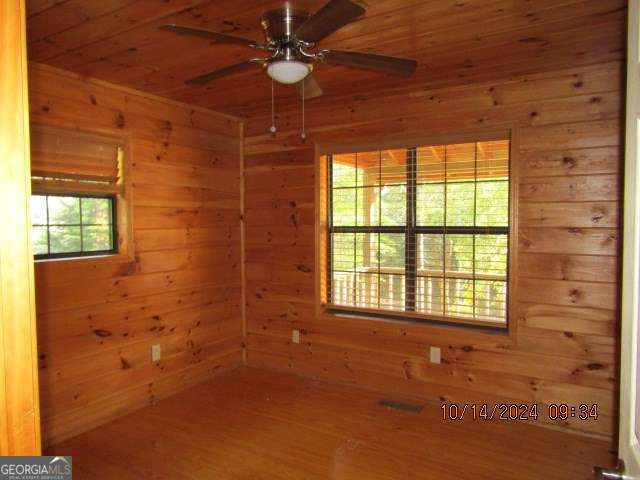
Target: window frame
(323, 232)
(80, 254)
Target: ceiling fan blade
(223, 72)
(215, 36)
(334, 15)
(311, 87)
(371, 61)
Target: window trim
(93, 253)
(323, 260)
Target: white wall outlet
(156, 353)
(295, 336)
(434, 354)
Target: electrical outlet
(156, 353)
(295, 336)
(434, 354)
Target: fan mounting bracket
(280, 24)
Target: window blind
(423, 230)
(72, 161)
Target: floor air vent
(405, 407)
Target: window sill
(82, 257)
(102, 258)
(404, 318)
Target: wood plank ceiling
(454, 41)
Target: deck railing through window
(423, 230)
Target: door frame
(19, 394)
(628, 443)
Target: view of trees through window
(422, 229)
(71, 225)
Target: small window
(420, 232)
(73, 226)
(81, 202)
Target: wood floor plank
(258, 424)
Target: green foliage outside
(71, 224)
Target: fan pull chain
(303, 134)
(273, 129)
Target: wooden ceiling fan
(291, 35)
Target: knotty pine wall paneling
(567, 138)
(97, 318)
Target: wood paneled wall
(98, 317)
(563, 347)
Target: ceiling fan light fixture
(292, 37)
(288, 71)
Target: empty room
(319, 239)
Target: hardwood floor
(257, 424)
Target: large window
(71, 226)
(420, 232)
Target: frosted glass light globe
(288, 71)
